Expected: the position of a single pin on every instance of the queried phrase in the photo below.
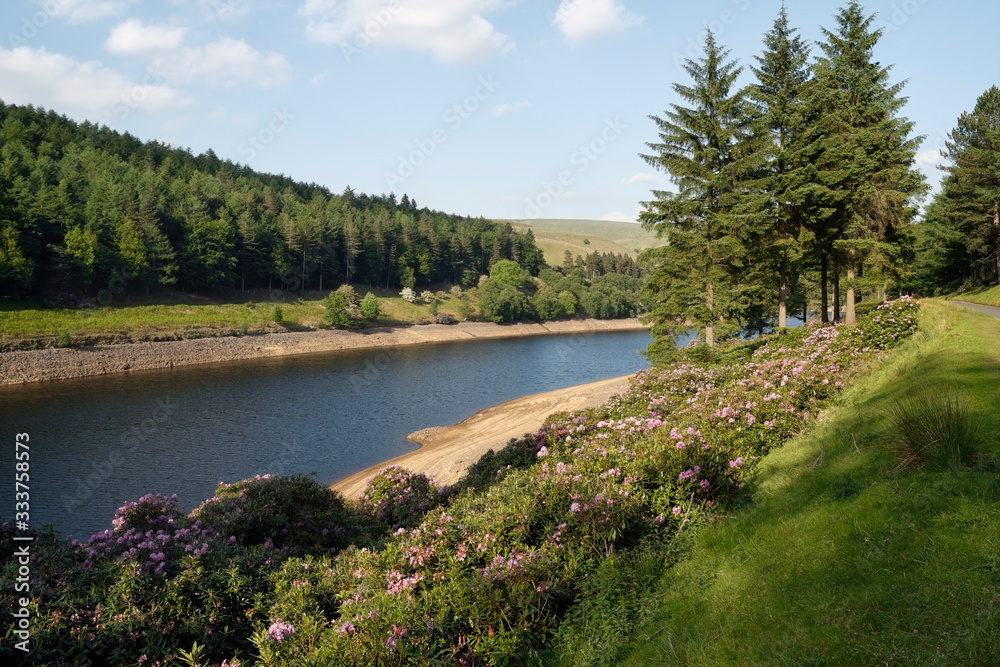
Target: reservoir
(99, 442)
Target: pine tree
(865, 154)
(708, 152)
(970, 196)
(779, 93)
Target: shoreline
(28, 366)
(446, 452)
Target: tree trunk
(783, 295)
(824, 299)
(836, 292)
(710, 325)
(850, 319)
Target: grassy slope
(843, 560)
(196, 314)
(554, 237)
(988, 297)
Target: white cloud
(134, 37)
(506, 108)
(641, 177)
(83, 10)
(587, 20)
(225, 62)
(35, 76)
(927, 158)
(452, 31)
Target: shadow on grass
(842, 559)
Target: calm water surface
(98, 442)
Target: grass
(989, 296)
(844, 558)
(555, 237)
(21, 321)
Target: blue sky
(501, 108)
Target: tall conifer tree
(707, 151)
(970, 196)
(865, 154)
(787, 178)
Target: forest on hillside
(84, 208)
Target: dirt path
(448, 451)
(992, 311)
(60, 364)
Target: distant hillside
(555, 236)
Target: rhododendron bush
(284, 572)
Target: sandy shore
(60, 364)
(448, 451)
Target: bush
(369, 306)
(408, 295)
(337, 310)
(547, 305)
(276, 314)
(500, 302)
(444, 318)
(64, 339)
(349, 293)
(291, 513)
(398, 498)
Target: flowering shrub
(398, 498)
(408, 294)
(292, 514)
(486, 572)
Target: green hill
(555, 236)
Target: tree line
(803, 180)
(83, 207)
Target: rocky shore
(22, 367)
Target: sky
(508, 109)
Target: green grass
(843, 558)
(554, 237)
(989, 296)
(23, 321)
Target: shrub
(408, 295)
(369, 306)
(444, 318)
(276, 314)
(547, 305)
(64, 339)
(501, 302)
(349, 293)
(398, 498)
(427, 296)
(291, 513)
(935, 428)
(337, 310)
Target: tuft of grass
(935, 428)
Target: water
(98, 442)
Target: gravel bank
(23, 367)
